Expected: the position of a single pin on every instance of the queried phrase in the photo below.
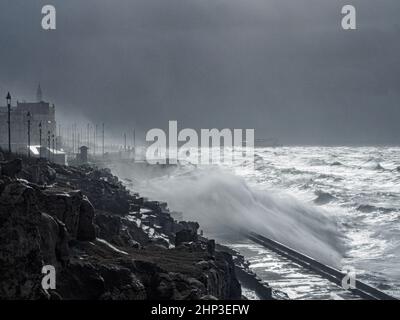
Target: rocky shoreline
(104, 241)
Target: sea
(339, 205)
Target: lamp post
(40, 139)
(28, 115)
(134, 144)
(94, 140)
(103, 141)
(48, 145)
(52, 137)
(73, 138)
(88, 136)
(8, 98)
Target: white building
(56, 156)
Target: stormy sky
(282, 67)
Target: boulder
(20, 244)
(72, 208)
(40, 173)
(11, 168)
(211, 247)
(185, 235)
(164, 290)
(80, 280)
(120, 231)
(54, 240)
(153, 205)
(138, 201)
(65, 206)
(189, 225)
(86, 230)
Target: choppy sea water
(360, 187)
(340, 205)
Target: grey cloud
(283, 67)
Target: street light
(28, 115)
(40, 139)
(95, 140)
(52, 136)
(134, 144)
(8, 98)
(103, 140)
(48, 145)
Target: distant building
(56, 156)
(41, 112)
(82, 156)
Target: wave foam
(222, 202)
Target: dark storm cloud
(283, 67)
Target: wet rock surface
(104, 241)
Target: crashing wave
(220, 201)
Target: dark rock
(134, 208)
(81, 280)
(120, 231)
(105, 196)
(203, 264)
(165, 287)
(211, 247)
(86, 230)
(40, 173)
(20, 252)
(54, 240)
(192, 226)
(147, 268)
(230, 288)
(109, 225)
(41, 224)
(121, 284)
(138, 201)
(11, 168)
(160, 242)
(185, 236)
(153, 205)
(65, 206)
